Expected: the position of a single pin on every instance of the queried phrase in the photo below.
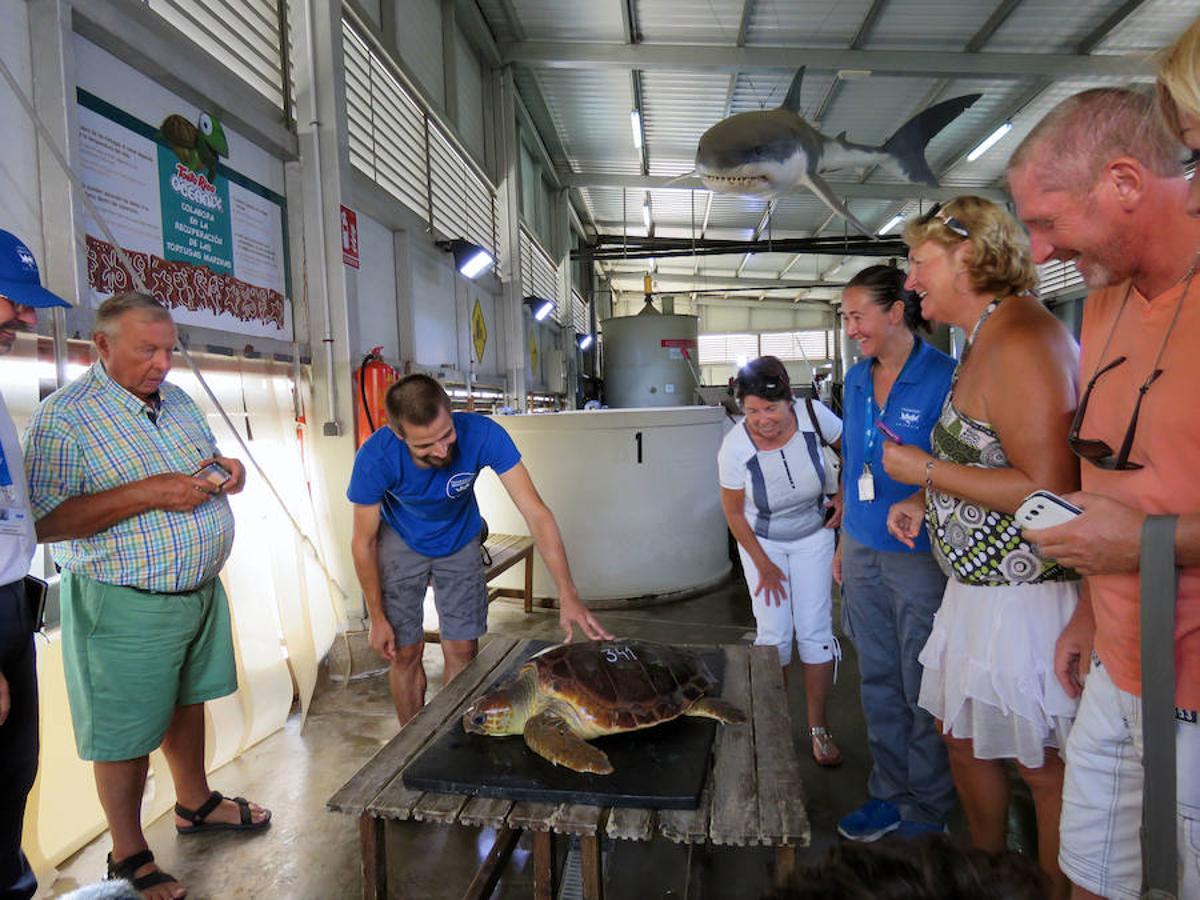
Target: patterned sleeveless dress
(988, 672)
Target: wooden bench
(505, 550)
(754, 795)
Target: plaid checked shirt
(93, 435)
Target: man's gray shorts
(459, 591)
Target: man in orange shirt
(1099, 182)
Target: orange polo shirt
(1167, 444)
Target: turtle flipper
(549, 735)
(712, 708)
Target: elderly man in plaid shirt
(114, 461)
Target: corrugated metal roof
(816, 23)
(670, 22)
(927, 25)
(588, 107)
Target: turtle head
(502, 710)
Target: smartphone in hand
(214, 473)
(1042, 509)
(888, 432)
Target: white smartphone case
(1042, 509)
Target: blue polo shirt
(434, 510)
(913, 407)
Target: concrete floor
(310, 852)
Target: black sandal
(124, 869)
(197, 817)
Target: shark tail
(906, 148)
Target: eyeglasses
(1098, 453)
(949, 221)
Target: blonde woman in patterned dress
(989, 674)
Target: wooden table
(505, 550)
(753, 797)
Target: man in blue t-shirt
(416, 521)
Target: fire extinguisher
(372, 380)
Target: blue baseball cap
(20, 281)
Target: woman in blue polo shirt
(889, 592)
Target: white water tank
(645, 362)
(635, 493)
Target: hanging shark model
(772, 152)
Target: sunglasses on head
(935, 212)
(766, 386)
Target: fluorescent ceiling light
(892, 223)
(849, 74)
(986, 144)
(635, 122)
(646, 214)
(586, 340)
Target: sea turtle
(567, 694)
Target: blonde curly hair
(1001, 261)
(1178, 86)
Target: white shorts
(807, 608)
(1100, 846)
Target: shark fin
(821, 188)
(907, 146)
(792, 100)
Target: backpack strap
(1159, 581)
(812, 415)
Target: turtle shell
(616, 686)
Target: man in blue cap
(21, 295)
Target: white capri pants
(807, 608)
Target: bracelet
(929, 474)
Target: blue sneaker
(870, 822)
(911, 829)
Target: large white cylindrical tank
(635, 494)
(644, 361)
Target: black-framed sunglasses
(1099, 453)
(935, 212)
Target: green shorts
(131, 657)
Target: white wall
(436, 316)
(376, 320)
(20, 205)
(470, 96)
(419, 40)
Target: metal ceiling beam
(990, 27)
(699, 58)
(1105, 28)
(851, 189)
(744, 22)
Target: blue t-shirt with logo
(912, 409)
(434, 510)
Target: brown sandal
(825, 751)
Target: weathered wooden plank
(592, 868)
(578, 819)
(366, 784)
(688, 826)
(441, 808)
(489, 873)
(374, 857)
(734, 817)
(485, 812)
(533, 816)
(630, 824)
(543, 864)
(782, 816)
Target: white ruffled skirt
(989, 668)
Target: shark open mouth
(735, 180)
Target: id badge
(866, 485)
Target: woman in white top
(772, 474)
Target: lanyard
(871, 434)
